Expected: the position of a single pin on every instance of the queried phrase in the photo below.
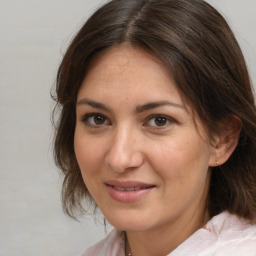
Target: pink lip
(128, 191)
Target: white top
(223, 235)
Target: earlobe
(226, 141)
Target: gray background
(34, 36)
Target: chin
(129, 222)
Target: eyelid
(168, 118)
(86, 117)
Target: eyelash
(86, 120)
(167, 119)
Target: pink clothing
(224, 235)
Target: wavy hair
(200, 51)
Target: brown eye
(160, 121)
(99, 119)
(95, 120)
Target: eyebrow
(152, 105)
(93, 104)
(139, 109)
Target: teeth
(128, 189)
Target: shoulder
(235, 235)
(226, 226)
(225, 234)
(111, 245)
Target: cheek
(87, 154)
(88, 158)
(183, 170)
(182, 161)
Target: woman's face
(142, 159)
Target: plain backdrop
(33, 37)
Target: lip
(128, 191)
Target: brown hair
(196, 44)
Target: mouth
(128, 191)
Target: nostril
(125, 161)
(123, 154)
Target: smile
(128, 192)
(129, 189)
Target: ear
(225, 142)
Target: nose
(124, 152)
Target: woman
(158, 129)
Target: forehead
(124, 57)
(124, 67)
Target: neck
(165, 239)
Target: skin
(117, 138)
